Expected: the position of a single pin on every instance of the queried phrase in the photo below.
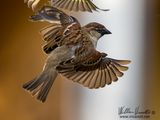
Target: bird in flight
(71, 50)
(71, 5)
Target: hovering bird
(71, 5)
(72, 53)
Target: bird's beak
(106, 32)
(35, 18)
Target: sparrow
(71, 50)
(71, 5)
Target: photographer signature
(136, 111)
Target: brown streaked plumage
(71, 5)
(72, 53)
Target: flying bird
(71, 5)
(71, 51)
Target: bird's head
(47, 13)
(96, 29)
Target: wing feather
(103, 78)
(117, 72)
(67, 4)
(93, 80)
(63, 4)
(80, 76)
(95, 73)
(120, 67)
(86, 6)
(49, 31)
(81, 6)
(90, 7)
(58, 3)
(76, 5)
(112, 74)
(86, 81)
(121, 62)
(86, 77)
(71, 5)
(98, 79)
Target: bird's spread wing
(51, 35)
(56, 35)
(58, 32)
(71, 5)
(35, 4)
(50, 32)
(76, 5)
(94, 71)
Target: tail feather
(44, 91)
(41, 85)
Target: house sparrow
(71, 5)
(72, 53)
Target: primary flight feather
(71, 5)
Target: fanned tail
(41, 85)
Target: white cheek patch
(94, 41)
(94, 36)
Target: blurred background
(136, 36)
